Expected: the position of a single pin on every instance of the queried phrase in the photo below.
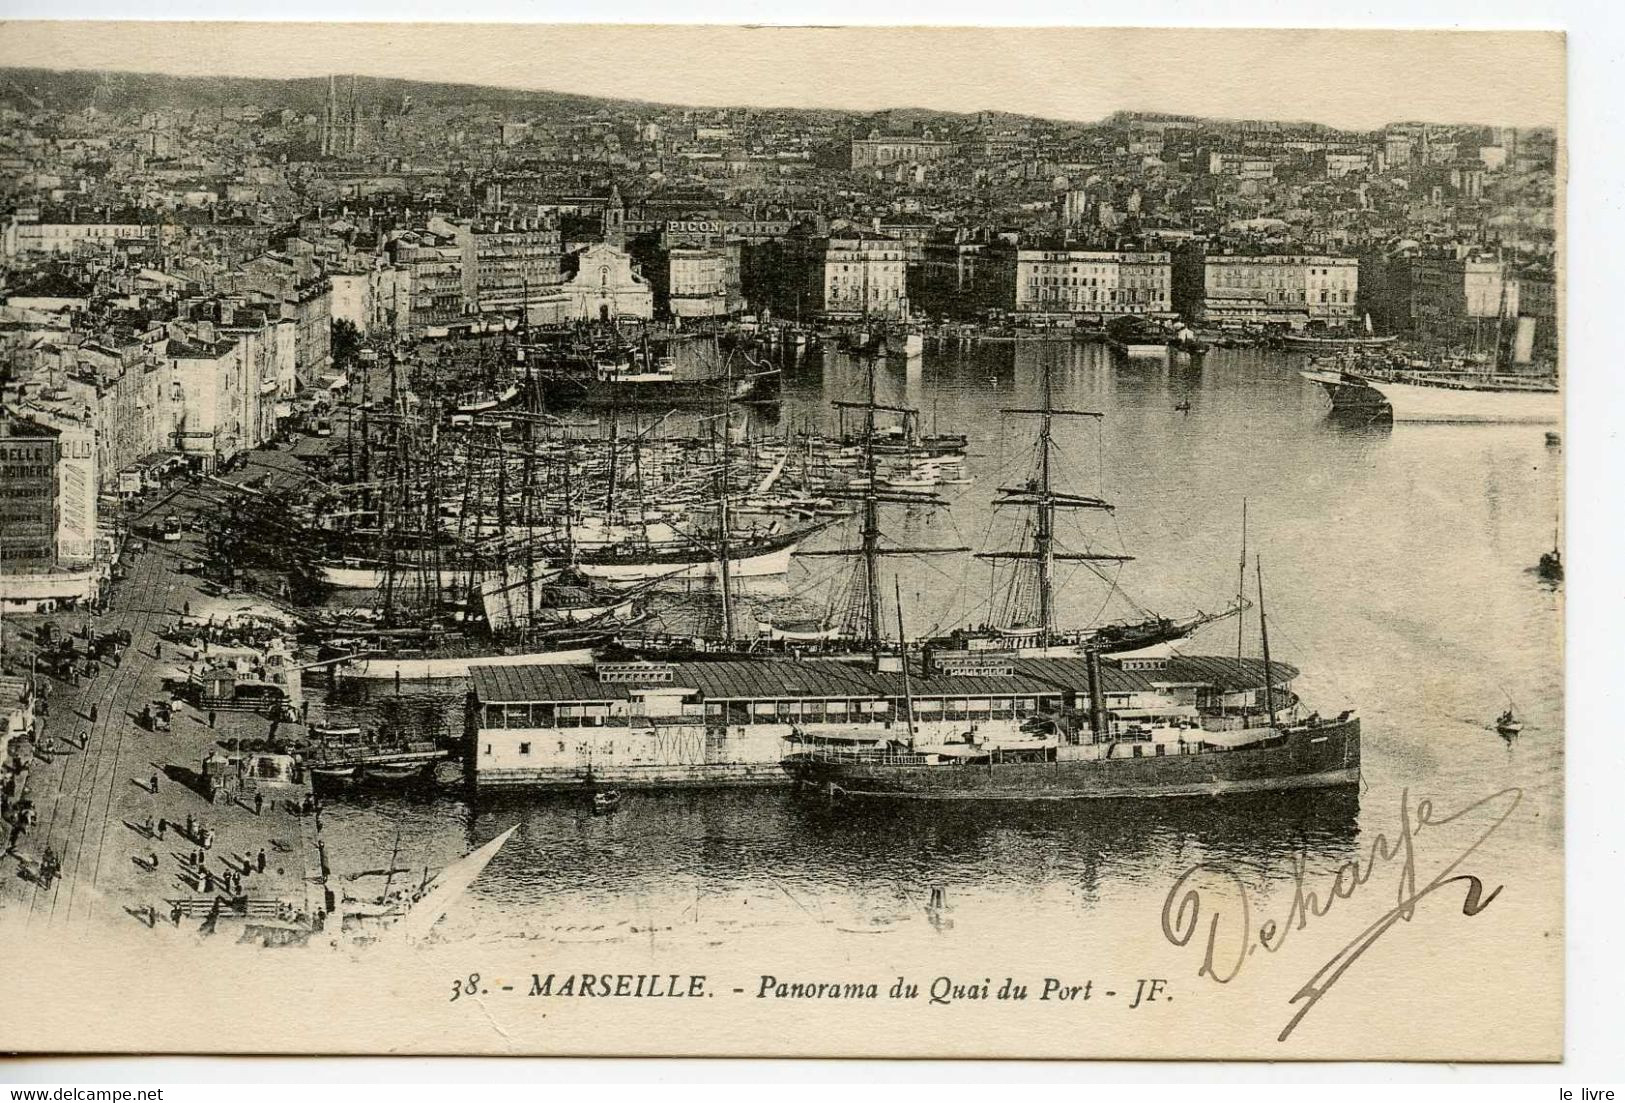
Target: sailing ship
(431, 522)
(1030, 625)
(408, 915)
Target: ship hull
(1415, 402)
(766, 564)
(660, 395)
(1335, 344)
(1144, 350)
(440, 667)
(1317, 757)
(1344, 393)
(343, 577)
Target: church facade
(606, 285)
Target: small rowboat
(1508, 724)
(394, 771)
(337, 773)
(605, 801)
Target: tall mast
(614, 451)
(871, 518)
(1241, 585)
(902, 649)
(1044, 539)
(1041, 496)
(527, 510)
(1264, 632)
(569, 502)
(870, 495)
(724, 575)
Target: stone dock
(111, 799)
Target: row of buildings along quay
(327, 388)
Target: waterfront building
(703, 283)
(732, 722)
(962, 279)
(710, 232)
(76, 494)
(1087, 282)
(862, 275)
(1291, 289)
(29, 487)
(1461, 300)
(432, 267)
(509, 264)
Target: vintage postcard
(868, 542)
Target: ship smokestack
(1097, 696)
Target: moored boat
(419, 668)
(1346, 390)
(1335, 342)
(1452, 397)
(634, 563)
(1188, 762)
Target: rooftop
(747, 679)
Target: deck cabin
(732, 722)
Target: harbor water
(1398, 565)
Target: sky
(1351, 79)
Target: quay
(111, 817)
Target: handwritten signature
(1232, 940)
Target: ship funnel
(1098, 722)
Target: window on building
(524, 748)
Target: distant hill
(74, 90)
(71, 90)
(77, 89)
